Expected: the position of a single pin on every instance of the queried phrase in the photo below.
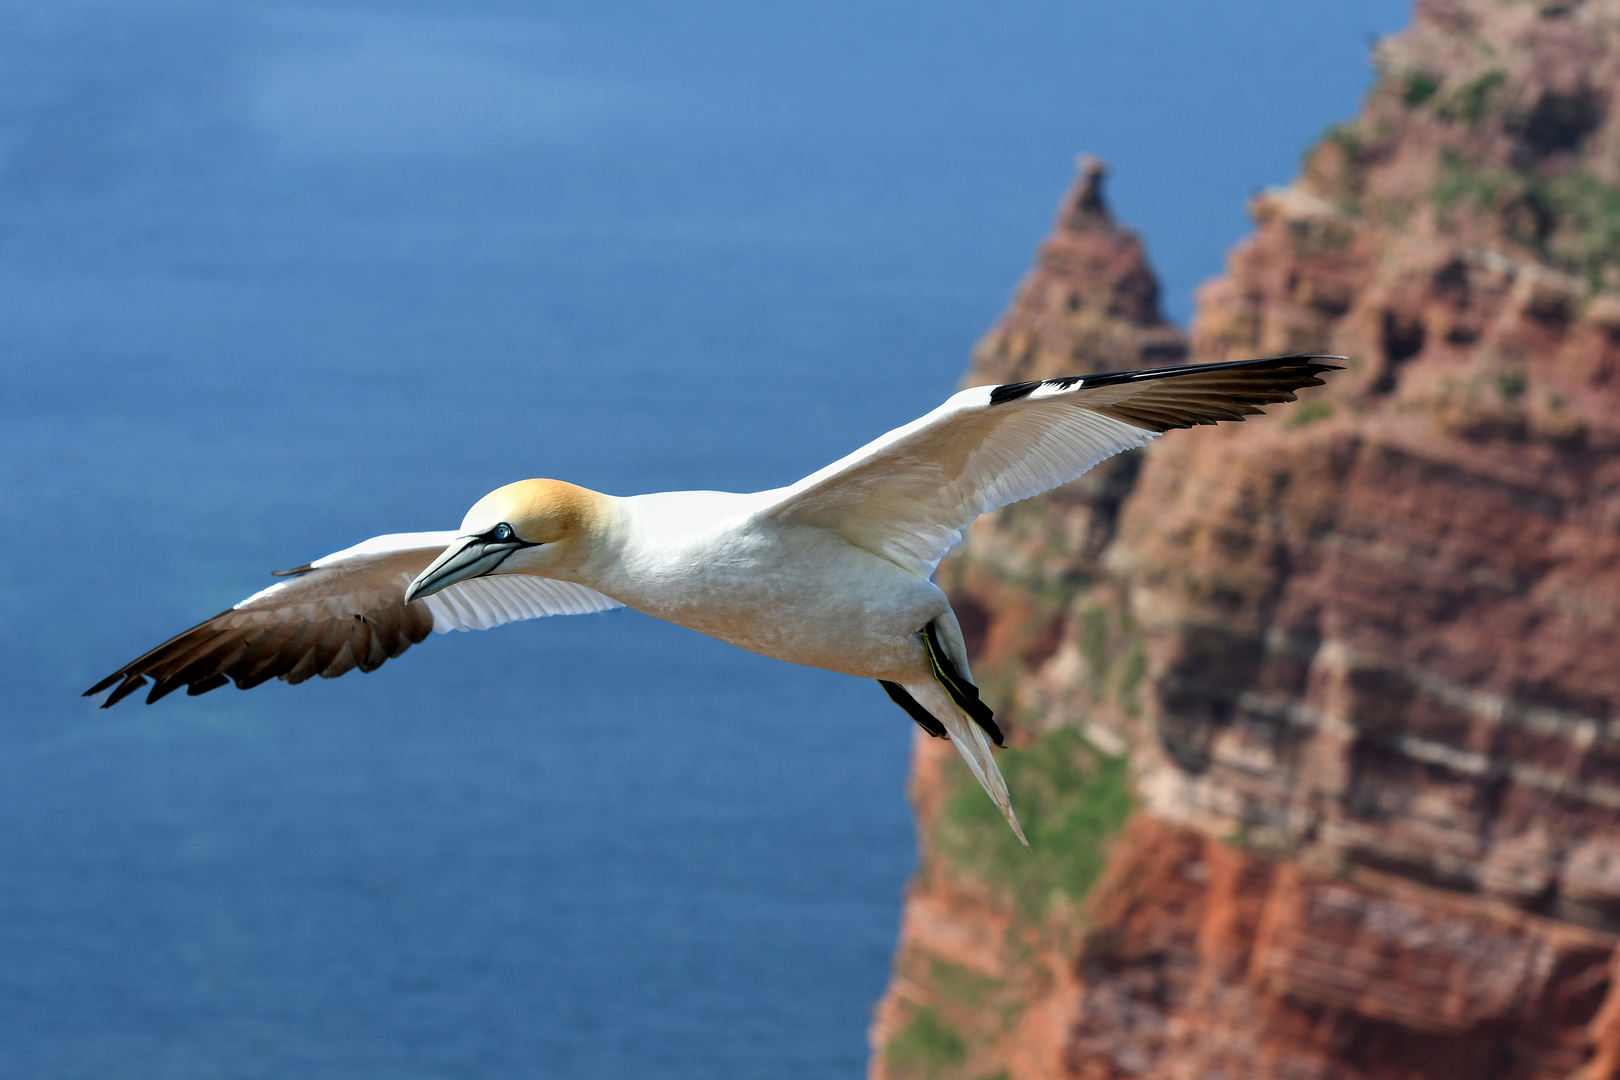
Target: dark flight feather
(323, 621)
(964, 693)
(924, 718)
(1160, 399)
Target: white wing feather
(485, 602)
(476, 604)
(909, 494)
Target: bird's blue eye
(503, 531)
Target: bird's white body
(711, 562)
(831, 572)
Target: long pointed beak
(466, 557)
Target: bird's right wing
(908, 495)
(344, 611)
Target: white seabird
(831, 572)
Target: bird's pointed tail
(970, 742)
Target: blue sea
(278, 277)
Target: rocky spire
(1090, 304)
(1083, 206)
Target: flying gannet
(833, 571)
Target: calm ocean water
(276, 277)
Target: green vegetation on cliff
(1473, 100)
(926, 1046)
(1573, 220)
(1070, 797)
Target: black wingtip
(202, 686)
(1312, 363)
(127, 687)
(103, 684)
(1317, 357)
(1012, 392)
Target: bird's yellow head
(539, 511)
(533, 526)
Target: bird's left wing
(344, 611)
(908, 495)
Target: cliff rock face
(1356, 663)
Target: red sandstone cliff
(1357, 664)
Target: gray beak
(467, 557)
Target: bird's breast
(799, 594)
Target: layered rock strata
(1362, 656)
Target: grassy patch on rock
(1419, 87)
(1474, 99)
(1573, 220)
(1071, 799)
(926, 1046)
(960, 984)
